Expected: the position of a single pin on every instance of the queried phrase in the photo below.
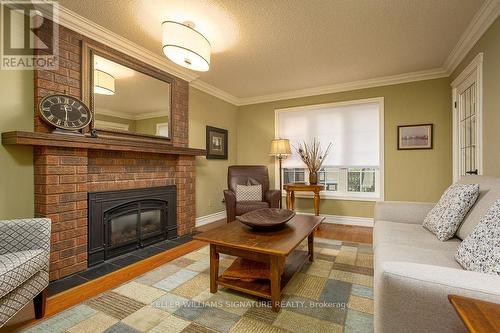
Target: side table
(292, 188)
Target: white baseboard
(202, 220)
(348, 220)
(331, 219)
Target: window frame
(329, 195)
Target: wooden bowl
(266, 218)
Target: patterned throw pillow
(445, 218)
(480, 251)
(248, 193)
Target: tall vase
(313, 178)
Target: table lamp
(280, 148)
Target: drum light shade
(104, 83)
(280, 147)
(185, 46)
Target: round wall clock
(65, 112)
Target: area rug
(333, 294)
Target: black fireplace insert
(126, 220)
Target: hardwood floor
(348, 233)
(71, 297)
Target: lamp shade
(185, 46)
(280, 147)
(104, 83)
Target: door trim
(473, 72)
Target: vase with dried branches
(313, 157)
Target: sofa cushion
(413, 235)
(410, 235)
(480, 251)
(444, 219)
(248, 193)
(444, 257)
(489, 192)
(17, 267)
(248, 206)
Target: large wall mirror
(127, 97)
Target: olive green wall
(145, 126)
(148, 126)
(113, 119)
(416, 175)
(211, 175)
(16, 162)
(489, 44)
(410, 175)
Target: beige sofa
(415, 272)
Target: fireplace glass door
(134, 225)
(123, 226)
(150, 220)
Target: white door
(468, 131)
(467, 121)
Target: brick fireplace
(67, 169)
(65, 176)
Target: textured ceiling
(269, 46)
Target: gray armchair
(241, 175)
(24, 266)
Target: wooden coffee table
(478, 316)
(276, 248)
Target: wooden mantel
(104, 143)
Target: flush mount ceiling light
(185, 46)
(104, 83)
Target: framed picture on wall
(415, 137)
(216, 143)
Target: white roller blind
(353, 129)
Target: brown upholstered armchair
(242, 175)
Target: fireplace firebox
(127, 220)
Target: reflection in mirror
(127, 100)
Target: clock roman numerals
(65, 112)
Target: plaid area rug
(333, 294)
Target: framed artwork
(415, 137)
(216, 143)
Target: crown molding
(80, 24)
(130, 116)
(114, 113)
(483, 19)
(152, 114)
(340, 87)
(214, 91)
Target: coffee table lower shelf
(262, 288)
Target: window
(353, 168)
(162, 129)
